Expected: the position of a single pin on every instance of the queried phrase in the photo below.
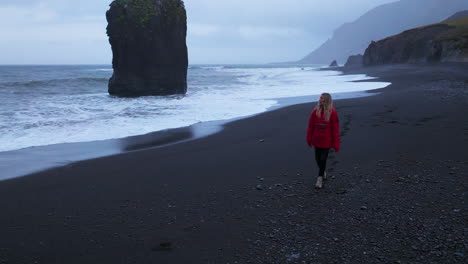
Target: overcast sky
(219, 31)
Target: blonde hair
(326, 108)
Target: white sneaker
(318, 185)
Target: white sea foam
(62, 118)
(212, 67)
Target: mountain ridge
(354, 37)
(446, 41)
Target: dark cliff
(380, 22)
(443, 42)
(148, 40)
(354, 61)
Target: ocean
(47, 105)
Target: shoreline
(31, 160)
(396, 192)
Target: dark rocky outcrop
(148, 39)
(333, 64)
(354, 61)
(443, 42)
(380, 22)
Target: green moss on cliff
(175, 9)
(142, 11)
(459, 32)
(461, 22)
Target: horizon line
(97, 64)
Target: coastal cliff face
(148, 40)
(442, 42)
(380, 22)
(354, 61)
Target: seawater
(45, 105)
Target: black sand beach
(397, 191)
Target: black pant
(321, 155)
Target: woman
(323, 133)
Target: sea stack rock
(148, 40)
(333, 64)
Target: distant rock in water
(354, 61)
(148, 40)
(333, 64)
(442, 42)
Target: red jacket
(322, 133)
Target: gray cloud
(219, 31)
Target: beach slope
(396, 194)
